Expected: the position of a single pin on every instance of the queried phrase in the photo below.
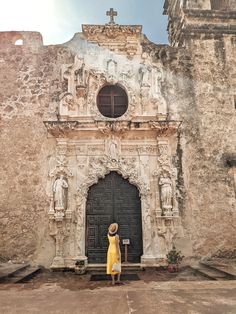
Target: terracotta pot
(173, 268)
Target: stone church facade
(110, 127)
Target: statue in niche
(81, 94)
(157, 82)
(165, 184)
(60, 187)
(127, 72)
(81, 74)
(144, 75)
(111, 69)
(157, 78)
(113, 150)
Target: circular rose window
(112, 101)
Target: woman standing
(113, 253)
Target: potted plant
(174, 258)
(80, 267)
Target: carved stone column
(148, 256)
(81, 225)
(166, 181)
(60, 216)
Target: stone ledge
(164, 127)
(211, 14)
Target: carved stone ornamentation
(138, 145)
(99, 167)
(165, 128)
(122, 38)
(113, 149)
(157, 77)
(61, 167)
(67, 104)
(164, 156)
(144, 75)
(60, 194)
(61, 128)
(166, 233)
(112, 70)
(112, 127)
(76, 74)
(110, 31)
(166, 192)
(80, 72)
(60, 233)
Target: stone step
(101, 268)
(211, 274)
(8, 270)
(227, 270)
(24, 275)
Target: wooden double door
(113, 199)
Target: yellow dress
(112, 254)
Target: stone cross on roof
(112, 13)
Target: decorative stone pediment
(110, 31)
(124, 38)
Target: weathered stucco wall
(208, 134)
(29, 86)
(212, 136)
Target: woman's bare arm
(118, 246)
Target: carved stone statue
(166, 192)
(81, 74)
(157, 77)
(157, 84)
(144, 73)
(60, 187)
(111, 67)
(113, 150)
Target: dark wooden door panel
(113, 199)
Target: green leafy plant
(79, 263)
(174, 257)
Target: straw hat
(113, 228)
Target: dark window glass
(112, 101)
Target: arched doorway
(113, 199)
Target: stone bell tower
(205, 31)
(191, 18)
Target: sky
(59, 20)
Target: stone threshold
(126, 265)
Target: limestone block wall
(29, 86)
(208, 134)
(203, 96)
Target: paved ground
(139, 297)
